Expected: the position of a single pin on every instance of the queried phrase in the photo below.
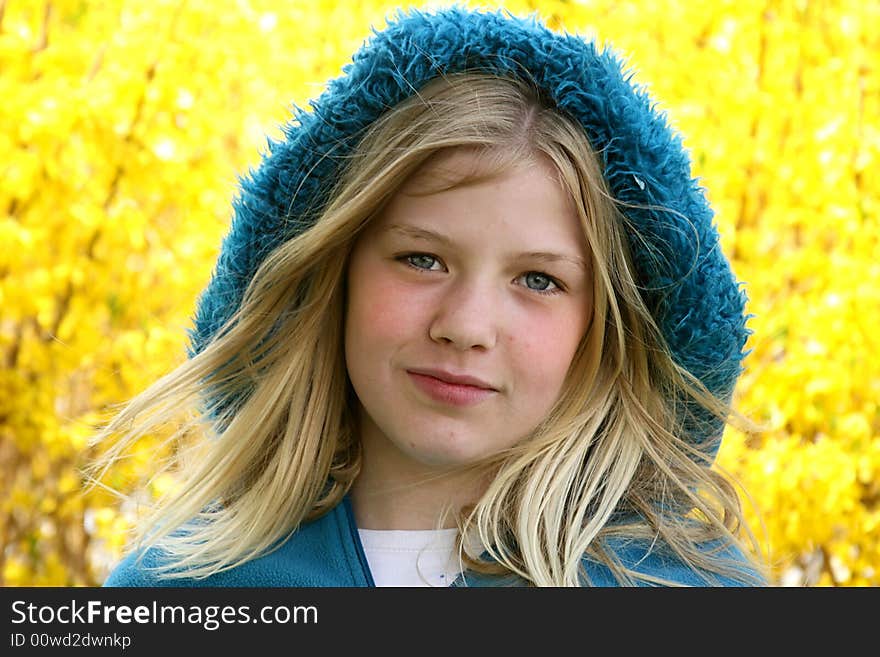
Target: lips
(457, 379)
(451, 394)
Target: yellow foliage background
(125, 124)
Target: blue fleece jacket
(327, 552)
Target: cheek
(381, 311)
(543, 348)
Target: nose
(466, 317)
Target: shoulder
(318, 553)
(657, 565)
(654, 565)
(137, 569)
(140, 568)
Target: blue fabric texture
(327, 553)
(687, 281)
(320, 553)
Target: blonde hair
(612, 460)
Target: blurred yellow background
(125, 124)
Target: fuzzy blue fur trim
(688, 282)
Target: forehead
(469, 166)
(465, 201)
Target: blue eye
(419, 260)
(535, 281)
(542, 283)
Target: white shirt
(411, 557)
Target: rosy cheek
(542, 350)
(389, 309)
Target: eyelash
(405, 258)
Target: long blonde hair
(613, 458)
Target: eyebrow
(432, 236)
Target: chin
(447, 456)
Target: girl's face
(464, 310)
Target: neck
(419, 504)
(386, 495)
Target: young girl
(471, 325)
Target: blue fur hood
(687, 281)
